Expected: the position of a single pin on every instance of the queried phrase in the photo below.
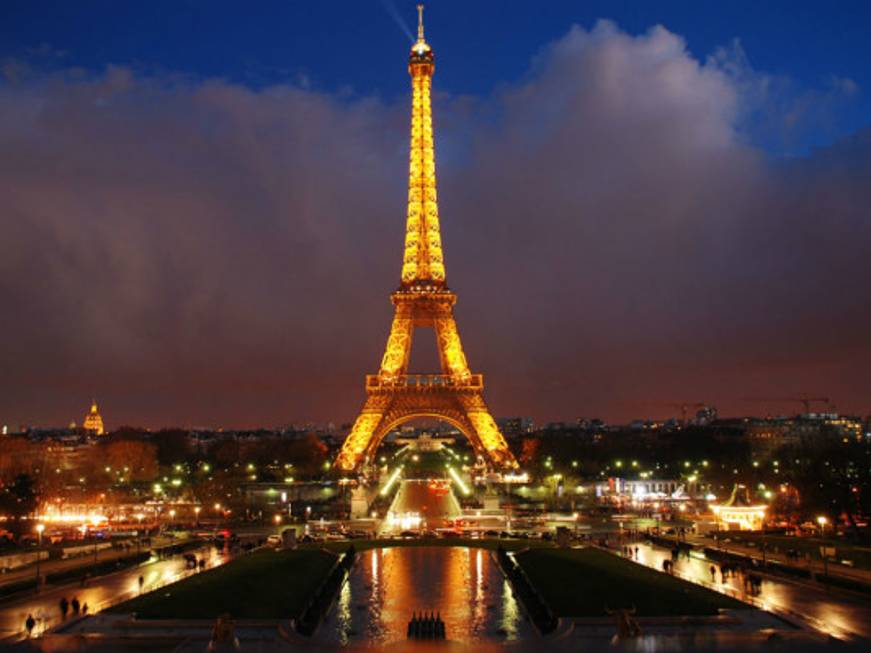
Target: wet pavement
(101, 592)
(836, 613)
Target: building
(739, 513)
(515, 427)
(642, 491)
(93, 424)
(769, 434)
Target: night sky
(202, 205)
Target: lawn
(582, 582)
(264, 585)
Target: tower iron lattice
(423, 299)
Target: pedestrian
(636, 552)
(75, 605)
(141, 583)
(64, 607)
(713, 574)
(29, 625)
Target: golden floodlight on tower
(455, 395)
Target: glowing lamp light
(390, 481)
(459, 481)
(40, 528)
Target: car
(273, 539)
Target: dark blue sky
(341, 46)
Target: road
(47, 567)
(434, 505)
(833, 613)
(834, 569)
(101, 593)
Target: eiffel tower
(423, 300)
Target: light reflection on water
(464, 586)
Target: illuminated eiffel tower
(423, 300)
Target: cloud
(777, 112)
(198, 252)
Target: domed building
(93, 424)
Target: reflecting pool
(463, 585)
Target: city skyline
(187, 249)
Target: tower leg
(453, 359)
(360, 438)
(487, 433)
(398, 350)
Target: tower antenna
(420, 23)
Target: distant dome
(93, 423)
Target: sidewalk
(815, 566)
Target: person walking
(64, 608)
(141, 583)
(713, 571)
(74, 604)
(29, 624)
(85, 608)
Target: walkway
(833, 613)
(102, 592)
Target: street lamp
(139, 517)
(39, 529)
(822, 521)
(197, 515)
(94, 521)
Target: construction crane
(804, 400)
(685, 407)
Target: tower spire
(420, 23)
(422, 263)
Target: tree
(172, 446)
(138, 457)
(19, 498)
